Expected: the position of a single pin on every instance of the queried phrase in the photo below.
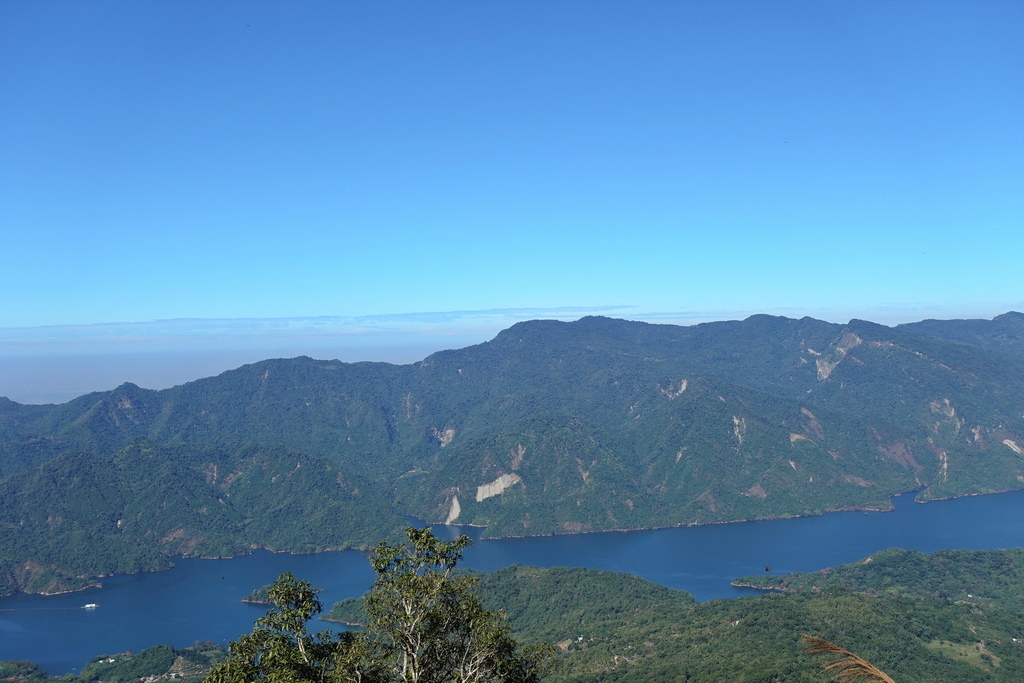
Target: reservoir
(201, 599)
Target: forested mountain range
(81, 515)
(551, 427)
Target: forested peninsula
(977, 577)
(551, 427)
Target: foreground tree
(431, 623)
(280, 649)
(426, 626)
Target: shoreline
(364, 548)
(760, 588)
(97, 584)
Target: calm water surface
(201, 599)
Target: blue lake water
(201, 599)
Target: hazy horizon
(383, 179)
(55, 364)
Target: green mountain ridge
(80, 515)
(551, 427)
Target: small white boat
(91, 605)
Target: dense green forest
(551, 427)
(979, 577)
(617, 627)
(81, 515)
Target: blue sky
(425, 173)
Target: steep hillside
(80, 515)
(557, 427)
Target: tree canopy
(426, 626)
